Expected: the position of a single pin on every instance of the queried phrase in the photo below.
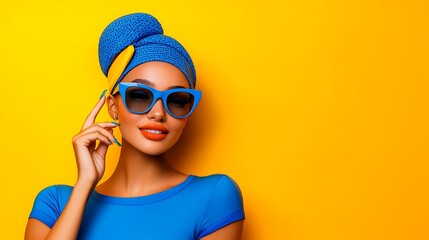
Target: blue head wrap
(145, 34)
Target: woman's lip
(154, 132)
(153, 136)
(153, 126)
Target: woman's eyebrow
(151, 84)
(172, 87)
(144, 81)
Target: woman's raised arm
(91, 164)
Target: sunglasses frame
(157, 94)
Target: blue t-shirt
(191, 210)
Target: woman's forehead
(157, 74)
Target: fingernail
(117, 124)
(110, 142)
(102, 94)
(116, 141)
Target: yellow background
(317, 109)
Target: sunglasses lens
(180, 103)
(138, 99)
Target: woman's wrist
(85, 185)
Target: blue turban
(145, 34)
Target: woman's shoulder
(56, 189)
(58, 193)
(223, 205)
(215, 178)
(50, 202)
(219, 184)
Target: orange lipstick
(154, 132)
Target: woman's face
(139, 130)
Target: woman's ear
(112, 106)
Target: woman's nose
(157, 112)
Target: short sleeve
(224, 206)
(49, 204)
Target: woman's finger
(88, 138)
(102, 149)
(104, 128)
(90, 119)
(107, 124)
(101, 125)
(107, 133)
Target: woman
(151, 81)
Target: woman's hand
(90, 158)
(90, 161)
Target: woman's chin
(152, 152)
(153, 149)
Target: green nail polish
(116, 141)
(102, 94)
(117, 124)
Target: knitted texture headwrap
(135, 39)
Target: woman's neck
(139, 174)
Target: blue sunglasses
(140, 98)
